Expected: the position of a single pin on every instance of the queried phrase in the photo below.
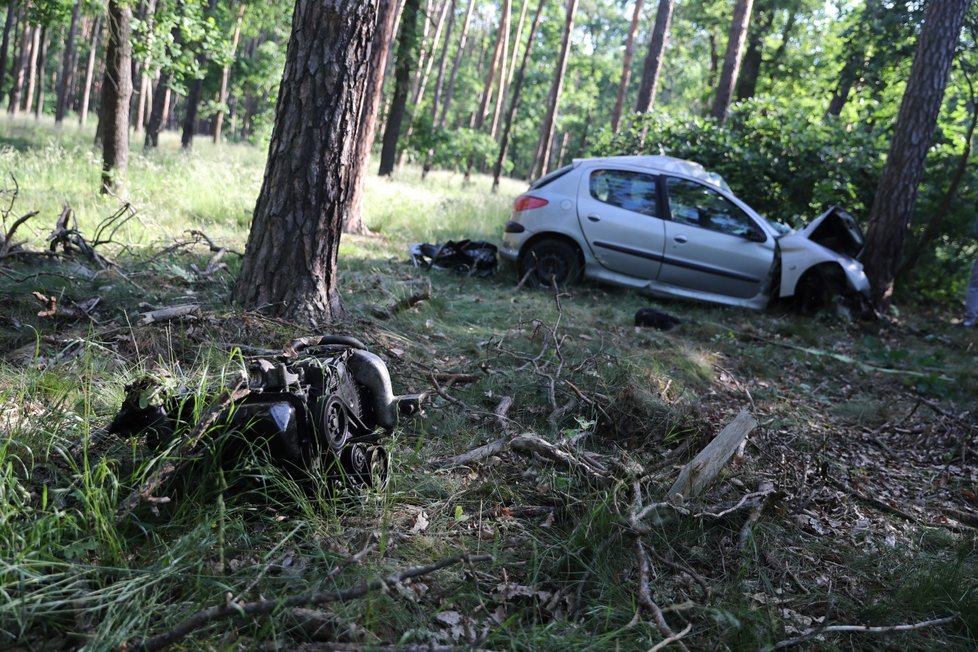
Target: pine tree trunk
(516, 44)
(64, 82)
(896, 193)
(731, 61)
(502, 37)
(548, 127)
(501, 94)
(626, 67)
(514, 103)
(90, 72)
(20, 66)
(222, 97)
(32, 69)
(379, 46)
(426, 75)
(41, 60)
(442, 65)
(5, 43)
(750, 67)
(116, 93)
(192, 104)
(290, 265)
(459, 53)
(653, 58)
(146, 78)
(407, 40)
(160, 111)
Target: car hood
(836, 230)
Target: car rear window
(632, 191)
(550, 178)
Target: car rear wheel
(551, 261)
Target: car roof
(668, 164)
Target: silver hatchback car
(669, 228)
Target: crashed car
(670, 228)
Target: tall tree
(379, 47)
(42, 55)
(146, 64)
(653, 59)
(64, 80)
(457, 63)
(196, 86)
(116, 93)
(222, 97)
(626, 66)
(90, 71)
(912, 136)
(20, 64)
(548, 127)
(289, 267)
(750, 66)
(32, 68)
(406, 42)
(731, 61)
(514, 103)
(5, 43)
(504, 29)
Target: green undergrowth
(80, 570)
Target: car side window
(632, 191)
(697, 205)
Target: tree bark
(626, 67)
(116, 93)
(407, 40)
(501, 39)
(5, 43)
(222, 97)
(913, 133)
(653, 59)
(379, 47)
(750, 67)
(289, 267)
(514, 103)
(90, 72)
(550, 120)
(64, 82)
(32, 69)
(504, 29)
(731, 61)
(456, 64)
(41, 59)
(20, 66)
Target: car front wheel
(551, 261)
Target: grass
(895, 424)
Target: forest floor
(847, 519)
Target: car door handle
(594, 218)
(681, 239)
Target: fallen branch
(866, 629)
(477, 454)
(423, 294)
(166, 314)
(698, 474)
(645, 596)
(264, 607)
(500, 412)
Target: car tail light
(527, 202)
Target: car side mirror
(755, 234)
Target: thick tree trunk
(222, 97)
(20, 66)
(64, 82)
(379, 47)
(157, 112)
(90, 72)
(914, 131)
(731, 61)
(550, 120)
(116, 93)
(750, 67)
(41, 60)
(407, 40)
(653, 59)
(514, 103)
(5, 43)
(289, 267)
(626, 66)
(456, 64)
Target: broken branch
(861, 628)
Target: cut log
(700, 473)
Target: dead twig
(866, 629)
(502, 408)
(645, 596)
(424, 294)
(166, 314)
(264, 607)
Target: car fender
(799, 254)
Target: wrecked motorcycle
(322, 408)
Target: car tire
(551, 261)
